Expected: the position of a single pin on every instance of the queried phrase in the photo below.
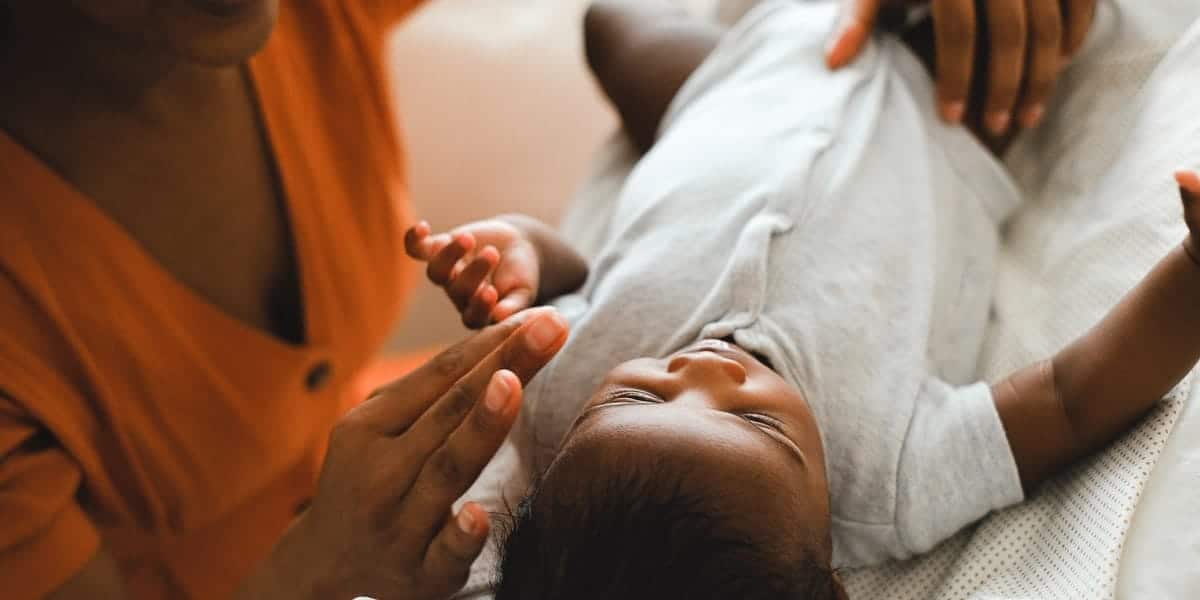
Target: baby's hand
(1189, 190)
(489, 269)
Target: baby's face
(714, 406)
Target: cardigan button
(318, 376)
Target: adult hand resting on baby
(495, 268)
(1030, 41)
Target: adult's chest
(202, 196)
(190, 401)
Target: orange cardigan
(134, 414)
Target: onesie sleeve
(955, 465)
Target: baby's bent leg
(642, 52)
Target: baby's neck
(762, 359)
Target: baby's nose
(707, 364)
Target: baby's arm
(641, 53)
(1064, 408)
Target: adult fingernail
(1032, 116)
(544, 332)
(466, 520)
(998, 121)
(496, 397)
(953, 112)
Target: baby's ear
(839, 587)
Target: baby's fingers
(478, 312)
(1189, 192)
(515, 301)
(465, 283)
(1189, 189)
(420, 245)
(441, 266)
(417, 243)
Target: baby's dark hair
(634, 536)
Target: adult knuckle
(458, 400)
(349, 427)
(450, 362)
(446, 467)
(460, 553)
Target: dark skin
(182, 109)
(92, 86)
(1006, 54)
(731, 405)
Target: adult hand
(380, 524)
(1028, 43)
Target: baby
(771, 372)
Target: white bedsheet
(1102, 210)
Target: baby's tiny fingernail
(497, 394)
(466, 520)
(953, 112)
(1032, 116)
(998, 122)
(544, 332)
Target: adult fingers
(955, 29)
(1045, 59)
(449, 557)
(441, 266)
(465, 284)
(1008, 34)
(454, 465)
(524, 353)
(478, 311)
(1078, 16)
(1189, 193)
(392, 408)
(853, 30)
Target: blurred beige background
(499, 115)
